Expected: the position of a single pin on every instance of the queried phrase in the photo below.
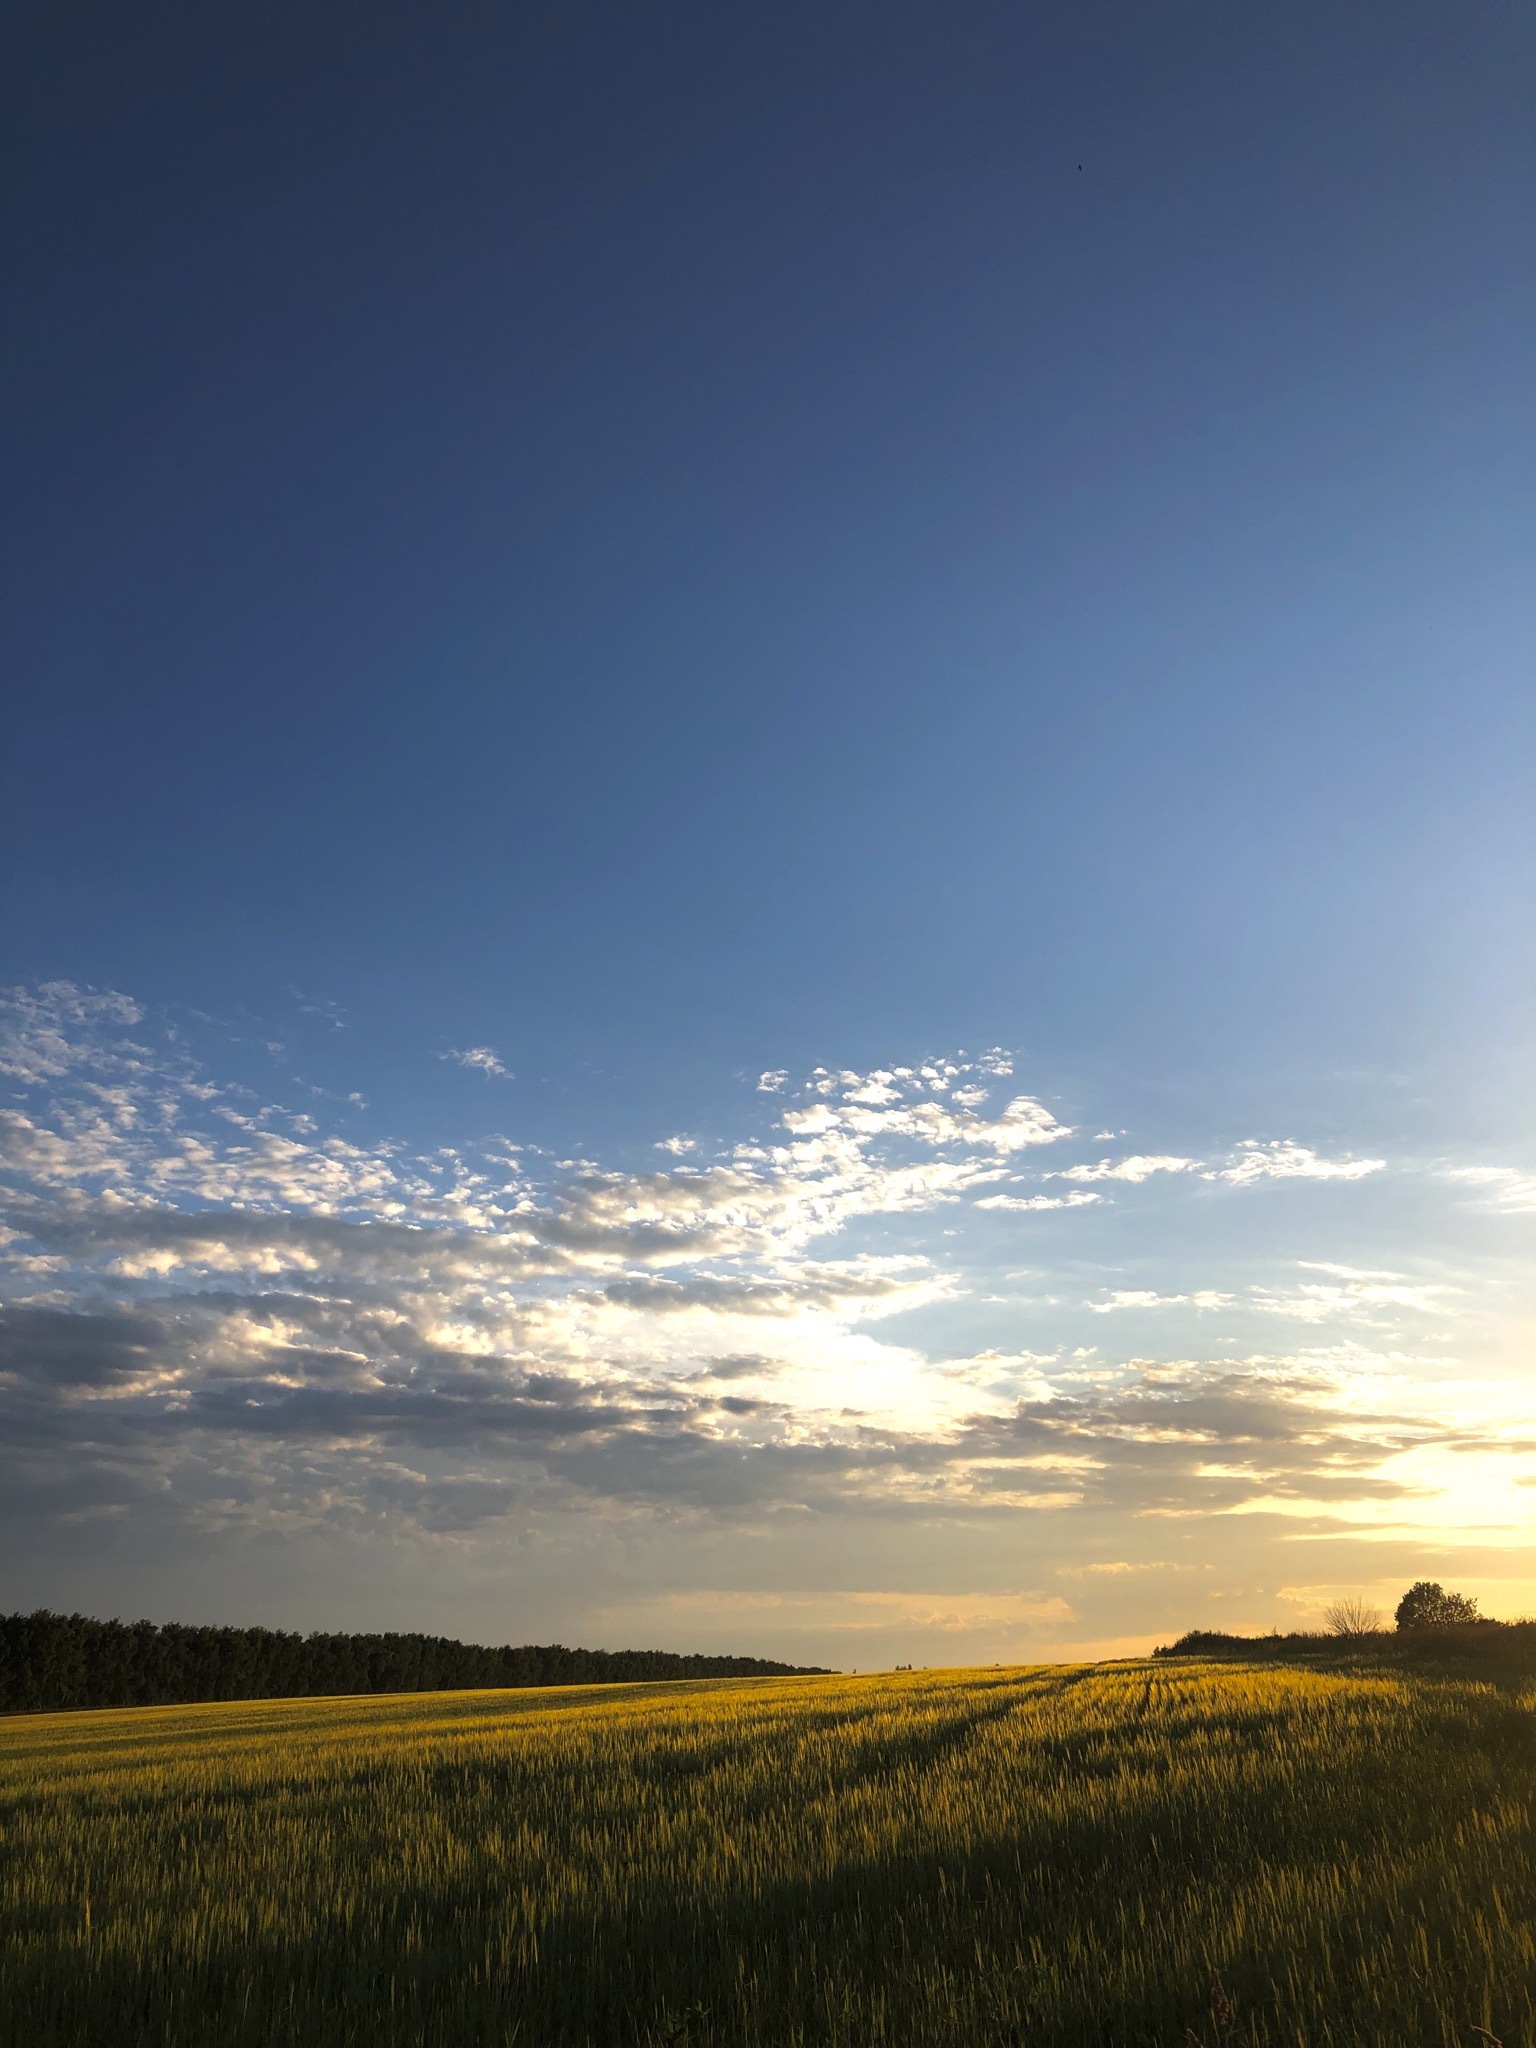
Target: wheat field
(1135, 1853)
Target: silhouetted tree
(1426, 1604)
(1353, 1617)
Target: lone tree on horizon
(1426, 1604)
(1352, 1618)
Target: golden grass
(1064, 1855)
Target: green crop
(1173, 1853)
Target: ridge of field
(1137, 1853)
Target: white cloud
(1072, 1201)
(772, 1082)
(1349, 1293)
(1142, 1297)
(480, 1059)
(1139, 1167)
(1343, 1293)
(1510, 1187)
(889, 1104)
(56, 1028)
(1282, 1159)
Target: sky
(766, 830)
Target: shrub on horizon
(1353, 1618)
(1426, 1604)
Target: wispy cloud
(1145, 1297)
(1343, 1292)
(1139, 1166)
(323, 1007)
(1348, 1292)
(1283, 1159)
(480, 1059)
(1508, 1187)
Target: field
(1136, 1853)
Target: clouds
(276, 1283)
(1282, 1159)
(56, 1028)
(1138, 1167)
(1344, 1293)
(1146, 1297)
(222, 1314)
(1255, 1160)
(480, 1059)
(924, 1104)
(1506, 1187)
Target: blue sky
(560, 562)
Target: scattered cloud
(323, 1007)
(57, 1029)
(1347, 1292)
(1508, 1187)
(773, 1082)
(1282, 1159)
(1139, 1167)
(1342, 1292)
(215, 1306)
(479, 1059)
(1142, 1297)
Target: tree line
(1426, 1613)
(50, 1661)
